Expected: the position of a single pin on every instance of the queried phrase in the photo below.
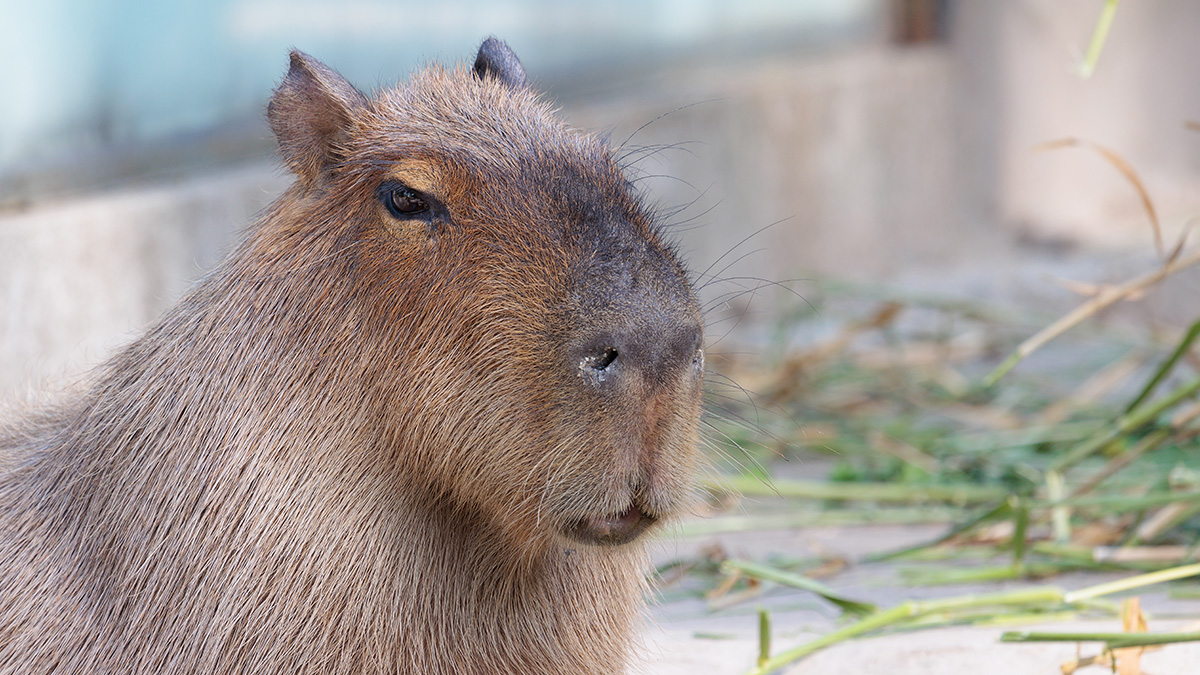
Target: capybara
(419, 421)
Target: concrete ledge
(79, 279)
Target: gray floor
(686, 638)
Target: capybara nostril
(653, 353)
(599, 364)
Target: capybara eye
(404, 202)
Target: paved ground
(689, 640)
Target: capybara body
(419, 421)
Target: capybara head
(534, 345)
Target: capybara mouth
(611, 530)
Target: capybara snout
(636, 348)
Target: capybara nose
(655, 353)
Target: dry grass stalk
(1150, 442)
(902, 451)
(1165, 518)
(1110, 296)
(1123, 661)
(1126, 170)
(1092, 390)
(1129, 660)
(1088, 290)
(790, 372)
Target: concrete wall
(79, 279)
(90, 83)
(1143, 92)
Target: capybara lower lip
(611, 530)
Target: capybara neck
(420, 421)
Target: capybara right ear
(311, 113)
(496, 59)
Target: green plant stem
(907, 611)
(963, 493)
(764, 635)
(926, 577)
(1116, 503)
(1112, 640)
(1159, 375)
(1099, 36)
(1130, 583)
(996, 512)
(1045, 596)
(1020, 525)
(1126, 424)
(767, 573)
(1122, 460)
(810, 518)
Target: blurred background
(879, 200)
(887, 141)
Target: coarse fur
(376, 441)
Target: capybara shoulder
(419, 421)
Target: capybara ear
(496, 59)
(310, 114)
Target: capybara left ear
(311, 113)
(496, 59)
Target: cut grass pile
(1079, 452)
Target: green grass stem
(1165, 369)
(1128, 423)
(1111, 640)
(764, 635)
(907, 611)
(1130, 583)
(961, 493)
(768, 573)
(1099, 36)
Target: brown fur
(361, 444)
